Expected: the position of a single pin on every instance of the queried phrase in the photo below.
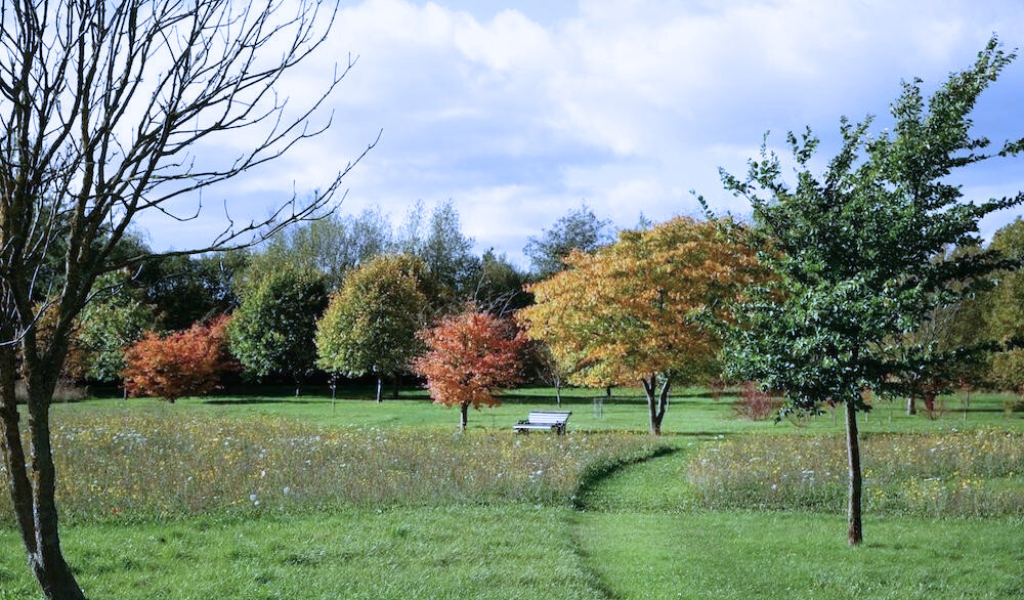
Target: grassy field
(485, 514)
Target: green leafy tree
(186, 289)
(580, 229)
(452, 268)
(855, 252)
(115, 319)
(370, 324)
(1006, 311)
(499, 289)
(334, 245)
(272, 332)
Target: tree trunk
(656, 407)
(558, 394)
(32, 486)
(380, 386)
(855, 528)
(911, 406)
(465, 416)
(396, 385)
(608, 391)
(929, 401)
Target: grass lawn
(639, 533)
(404, 554)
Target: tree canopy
(579, 229)
(272, 332)
(370, 325)
(860, 251)
(638, 310)
(469, 357)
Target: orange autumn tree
(469, 357)
(642, 309)
(184, 363)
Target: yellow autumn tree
(642, 309)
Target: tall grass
(144, 465)
(976, 473)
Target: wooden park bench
(541, 419)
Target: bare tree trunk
(558, 394)
(465, 416)
(911, 406)
(380, 385)
(855, 528)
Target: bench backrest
(549, 418)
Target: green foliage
(334, 245)
(859, 252)
(1006, 311)
(186, 289)
(579, 229)
(370, 324)
(499, 289)
(272, 332)
(452, 267)
(113, 321)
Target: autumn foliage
(185, 363)
(642, 310)
(469, 357)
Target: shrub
(185, 363)
(755, 404)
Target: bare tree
(103, 107)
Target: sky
(519, 112)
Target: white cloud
(627, 104)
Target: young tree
(855, 253)
(580, 229)
(184, 363)
(469, 357)
(273, 331)
(636, 311)
(370, 325)
(103, 104)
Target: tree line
(301, 302)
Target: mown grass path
(640, 535)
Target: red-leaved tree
(469, 357)
(185, 363)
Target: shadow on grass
(245, 401)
